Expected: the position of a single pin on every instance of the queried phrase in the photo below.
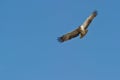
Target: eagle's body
(81, 30)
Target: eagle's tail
(83, 33)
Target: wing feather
(89, 20)
(69, 36)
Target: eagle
(81, 30)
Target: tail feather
(83, 33)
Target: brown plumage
(81, 30)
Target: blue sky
(29, 49)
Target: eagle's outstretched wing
(89, 20)
(70, 35)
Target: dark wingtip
(60, 39)
(95, 12)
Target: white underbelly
(82, 27)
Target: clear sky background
(29, 49)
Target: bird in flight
(81, 30)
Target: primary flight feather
(81, 30)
